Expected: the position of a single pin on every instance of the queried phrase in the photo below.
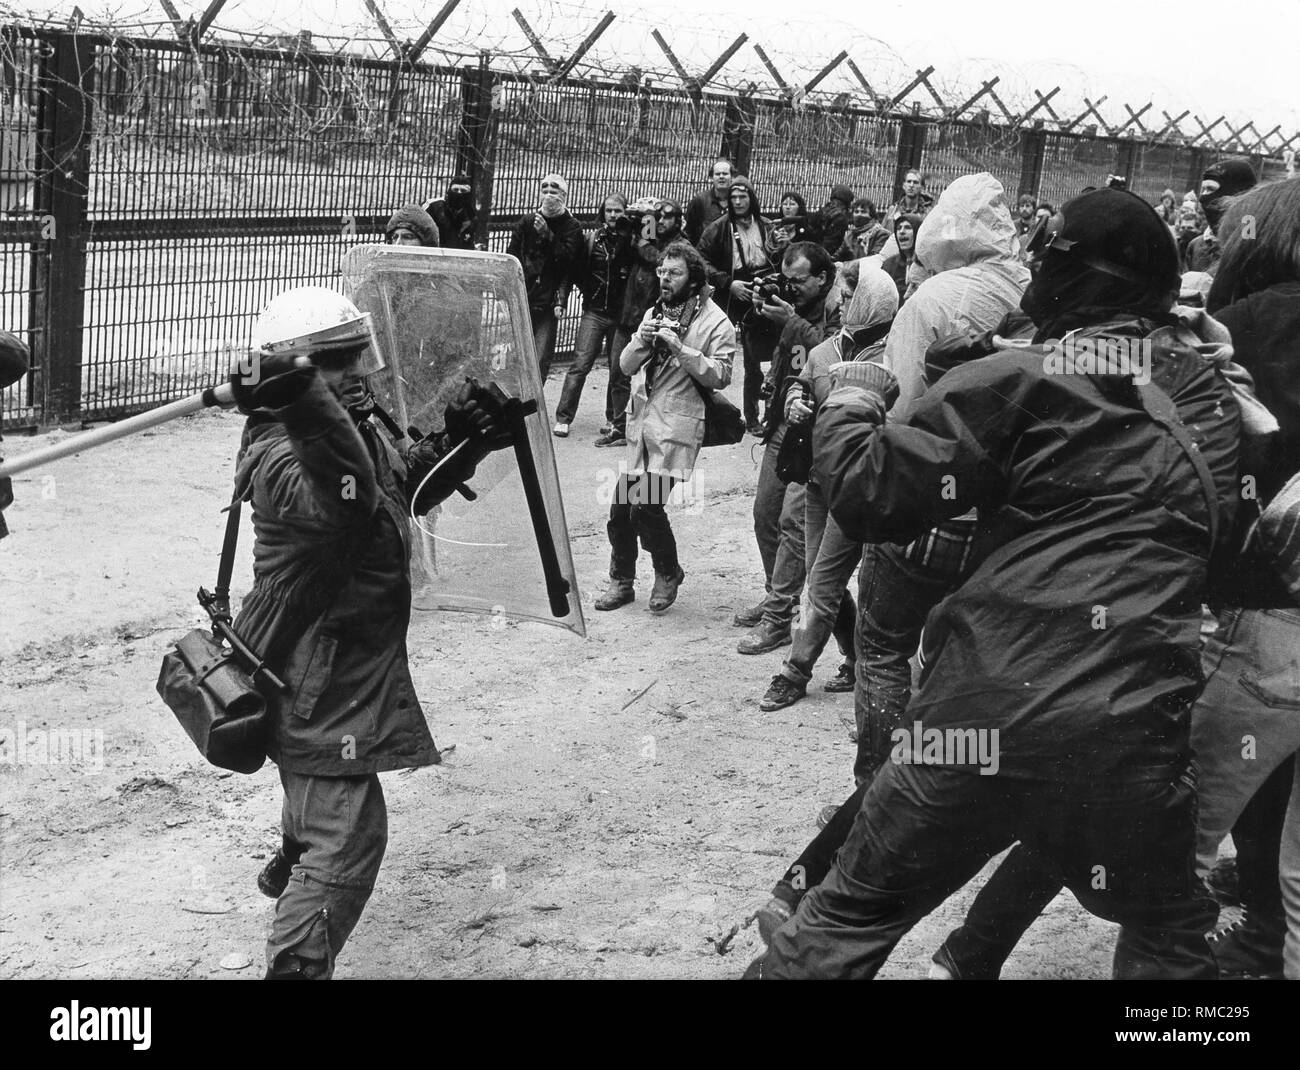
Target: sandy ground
(574, 829)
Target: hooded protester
(734, 247)
(412, 225)
(1220, 183)
(830, 557)
(548, 245)
(864, 236)
(1167, 209)
(834, 218)
(968, 244)
(896, 264)
(455, 213)
(1092, 750)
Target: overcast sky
(1236, 58)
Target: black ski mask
(1234, 177)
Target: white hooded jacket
(968, 240)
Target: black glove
(269, 382)
(476, 416)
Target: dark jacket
(800, 335)
(862, 241)
(548, 259)
(455, 223)
(603, 271)
(1265, 330)
(331, 596)
(702, 210)
(1076, 636)
(924, 202)
(833, 218)
(718, 247)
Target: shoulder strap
(227, 565)
(1160, 407)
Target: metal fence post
(1033, 147)
(58, 299)
(1197, 161)
(738, 132)
(476, 141)
(911, 142)
(1125, 158)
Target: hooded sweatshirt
(867, 318)
(968, 243)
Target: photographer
(331, 601)
(734, 247)
(808, 314)
(602, 278)
(684, 344)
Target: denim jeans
(638, 510)
(923, 831)
(618, 391)
(830, 557)
(778, 529)
(545, 327)
(894, 598)
(595, 329)
(1244, 727)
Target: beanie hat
(417, 220)
(842, 194)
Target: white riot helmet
(316, 322)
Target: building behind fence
(155, 194)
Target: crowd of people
(1062, 565)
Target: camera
(625, 224)
(766, 287)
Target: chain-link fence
(155, 194)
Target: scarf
(681, 314)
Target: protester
(1220, 182)
(864, 236)
(897, 264)
(548, 245)
(684, 344)
(1026, 207)
(809, 316)
(1190, 224)
(914, 201)
(734, 247)
(660, 224)
(1167, 209)
(792, 225)
(832, 218)
(830, 557)
(1092, 759)
(455, 213)
(411, 225)
(602, 276)
(1253, 689)
(709, 204)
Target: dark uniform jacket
(1076, 635)
(331, 596)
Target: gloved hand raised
(477, 417)
(270, 381)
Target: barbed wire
(778, 61)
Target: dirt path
(569, 832)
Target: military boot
(618, 594)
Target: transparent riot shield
(441, 315)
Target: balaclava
(1233, 176)
(555, 204)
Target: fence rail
(154, 194)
